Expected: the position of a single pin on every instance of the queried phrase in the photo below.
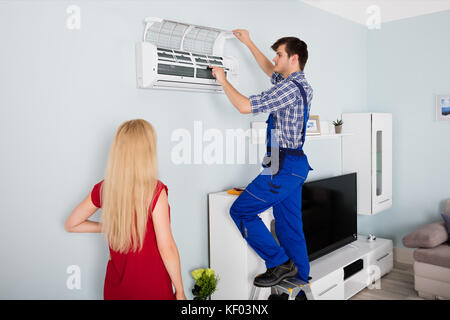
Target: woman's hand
(180, 295)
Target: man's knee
(236, 215)
(238, 212)
(234, 211)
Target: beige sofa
(431, 259)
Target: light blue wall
(408, 64)
(63, 94)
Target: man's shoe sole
(274, 283)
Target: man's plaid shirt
(285, 102)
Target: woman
(144, 260)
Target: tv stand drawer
(378, 267)
(380, 261)
(329, 287)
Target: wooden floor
(396, 285)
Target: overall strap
(305, 115)
(270, 125)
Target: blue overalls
(280, 188)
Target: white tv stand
(237, 264)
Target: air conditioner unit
(176, 55)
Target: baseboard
(404, 255)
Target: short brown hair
(294, 46)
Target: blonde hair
(130, 179)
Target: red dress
(139, 275)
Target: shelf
(327, 136)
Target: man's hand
(243, 36)
(241, 102)
(219, 74)
(260, 58)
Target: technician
(285, 167)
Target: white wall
(408, 65)
(63, 93)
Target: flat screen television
(329, 214)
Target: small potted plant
(205, 283)
(338, 125)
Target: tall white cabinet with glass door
(368, 151)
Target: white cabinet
(237, 264)
(230, 256)
(368, 152)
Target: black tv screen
(329, 214)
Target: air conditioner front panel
(184, 36)
(187, 86)
(166, 33)
(192, 81)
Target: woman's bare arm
(78, 219)
(166, 244)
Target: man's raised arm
(260, 58)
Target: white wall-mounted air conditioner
(176, 55)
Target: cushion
(428, 236)
(446, 217)
(439, 256)
(431, 271)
